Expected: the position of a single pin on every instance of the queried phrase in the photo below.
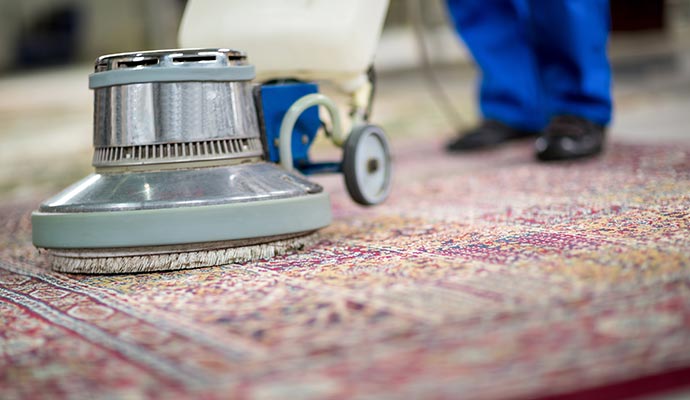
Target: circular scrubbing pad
(115, 261)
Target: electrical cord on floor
(434, 84)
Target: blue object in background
(276, 99)
(538, 58)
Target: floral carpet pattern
(485, 276)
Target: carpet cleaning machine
(197, 165)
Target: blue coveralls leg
(538, 58)
(497, 34)
(570, 38)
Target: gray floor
(653, 97)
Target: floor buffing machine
(197, 165)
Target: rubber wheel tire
(367, 180)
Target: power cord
(434, 84)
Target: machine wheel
(367, 165)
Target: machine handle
(290, 119)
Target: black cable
(371, 75)
(443, 101)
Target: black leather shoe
(569, 137)
(488, 134)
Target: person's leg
(570, 38)
(497, 35)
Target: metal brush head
(179, 163)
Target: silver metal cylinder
(173, 106)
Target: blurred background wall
(35, 33)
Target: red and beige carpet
(485, 276)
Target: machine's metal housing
(179, 160)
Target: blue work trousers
(538, 58)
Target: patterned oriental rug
(485, 276)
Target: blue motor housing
(273, 101)
(365, 163)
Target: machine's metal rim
(181, 225)
(109, 62)
(171, 74)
